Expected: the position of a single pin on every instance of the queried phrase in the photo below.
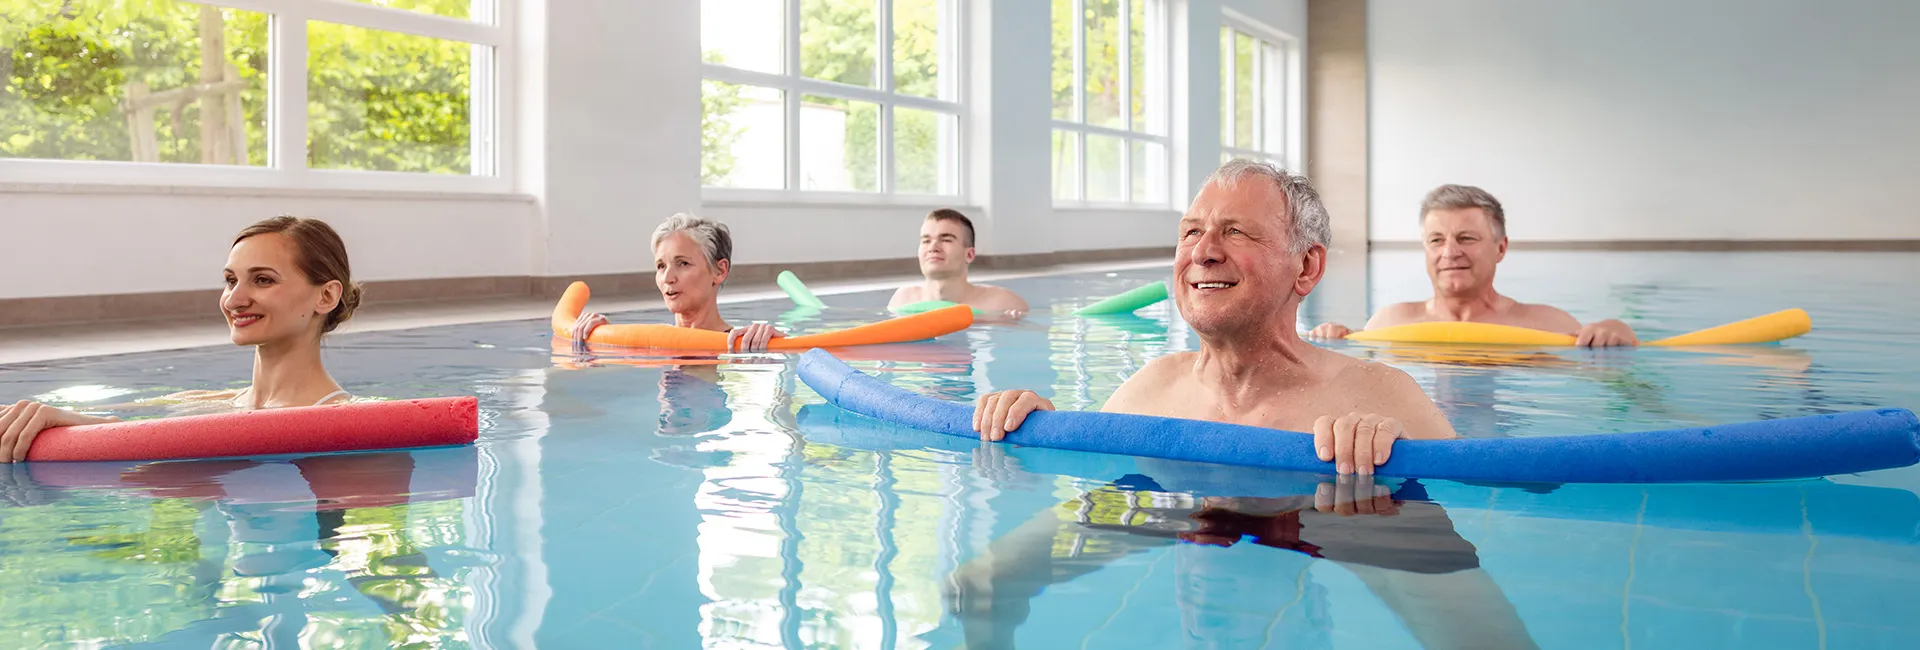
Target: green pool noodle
(1125, 303)
(801, 296)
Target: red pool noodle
(357, 426)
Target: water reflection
(330, 549)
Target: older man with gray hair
(1251, 247)
(1465, 234)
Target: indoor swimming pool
(618, 500)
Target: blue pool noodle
(1804, 447)
(1820, 507)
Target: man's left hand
(1606, 334)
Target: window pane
(1243, 91)
(1064, 107)
(385, 101)
(923, 146)
(1226, 87)
(1104, 168)
(1103, 63)
(1273, 93)
(462, 9)
(133, 84)
(1137, 66)
(839, 145)
(1149, 169)
(837, 38)
(743, 136)
(917, 46)
(745, 34)
(1066, 165)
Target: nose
(235, 298)
(1207, 250)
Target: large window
(1256, 106)
(270, 92)
(830, 97)
(1110, 102)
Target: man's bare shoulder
(905, 295)
(992, 298)
(1547, 317)
(1389, 391)
(1399, 313)
(1141, 393)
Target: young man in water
(1465, 231)
(946, 250)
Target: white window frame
(1159, 67)
(1277, 88)
(794, 86)
(490, 124)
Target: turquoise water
(619, 501)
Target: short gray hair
(1307, 219)
(1461, 197)
(712, 236)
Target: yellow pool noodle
(1772, 327)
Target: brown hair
(950, 214)
(1461, 197)
(321, 256)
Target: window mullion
(1126, 96)
(287, 91)
(884, 58)
(1231, 112)
(791, 97)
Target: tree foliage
(376, 100)
(839, 42)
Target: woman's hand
(583, 327)
(752, 338)
(23, 421)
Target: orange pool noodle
(917, 327)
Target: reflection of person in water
(692, 401)
(1402, 546)
(284, 520)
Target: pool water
(628, 501)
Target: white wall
(1651, 119)
(139, 240)
(608, 144)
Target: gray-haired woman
(691, 258)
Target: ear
(329, 297)
(1502, 255)
(971, 254)
(720, 275)
(1313, 266)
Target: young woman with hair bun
(288, 284)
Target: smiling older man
(1465, 234)
(1251, 247)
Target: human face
(943, 249)
(685, 279)
(267, 299)
(1234, 268)
(1462, 250)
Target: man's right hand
(1000, 413)
(1329, 331)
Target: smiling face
(1462, 250)
(686, 280)
(268, 299)
(943, 249)
(1235, 268)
